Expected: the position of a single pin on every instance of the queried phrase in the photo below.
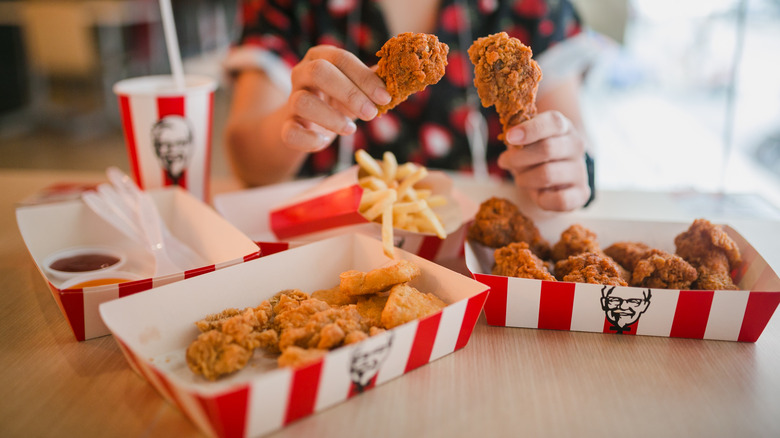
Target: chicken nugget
(408, 63)
(659, 269)
(377, 280)
(507, 77)
(214, 354)
(370, 308)
(575, 240)
(406, 303)
(334, 296)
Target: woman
(303, 77)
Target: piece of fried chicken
(575, 240)
(589, 267)
(517, 260)
(651, 267)
(408, 63)
(507, 77)
(712, 252)
(499, 222)
(355, 282)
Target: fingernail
(381, 96)
(369, 110)
(515, 136)
(350, 128)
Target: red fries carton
(48, 229)
(331, 207)
(262, 397)
(731, 315)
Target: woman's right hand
(331, 88)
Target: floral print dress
(430, 127)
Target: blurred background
(680, 95)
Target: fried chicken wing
(708, 248)
(517, 260)
(408, 63)
(499, 222)
(506, 76)
(406, 303)
(589, 267)
(377, 280)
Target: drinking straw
(171, 41)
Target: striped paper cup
(168, 131)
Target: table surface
(506, 382)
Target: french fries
(390, 198)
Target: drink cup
(168, 131)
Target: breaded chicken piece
(589, 267)
(627, 254)
(575, 240)
(406, 303)
(408, 63)
(370, 308)
(297, 356)
(659, 269)
(325, 329)
(227, 349)
(377, 280)
(517, 260)
(507, 77)
(712, 252)
(499, 222)
(334, 296)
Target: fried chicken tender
(661, 270)
(370, 308)
(575, 240)
(517, 260)
(589, 267)
(334, 296)
(354, 282)
(406, 303)
(408, 63)
(499, 222)
(506, 76)
(712, 252)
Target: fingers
(342, 77)
(561, 198)
(307, 106)
(305, 136)
(543, 125)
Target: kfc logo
(625, 309)
(367, 358)
(172, 138)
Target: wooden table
(506, 382)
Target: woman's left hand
(546, 157)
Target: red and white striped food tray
(53, 227)
(261, 397)
(739, 315)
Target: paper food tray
(724, 314)
(52, 227)
(261, 397)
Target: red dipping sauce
(84, 262)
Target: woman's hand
(330, 89)
(547, 161)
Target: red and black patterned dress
(429, 128)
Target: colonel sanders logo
(367, 358)
(172, 138)
(624, 309)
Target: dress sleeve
(270, 30)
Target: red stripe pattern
(303, 392)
